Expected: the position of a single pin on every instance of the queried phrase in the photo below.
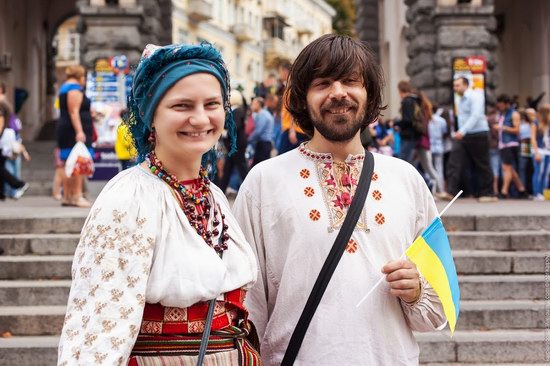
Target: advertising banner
(472, 68)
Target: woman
(7, 143)
(75, 124)
(160, 239)
(540, 147)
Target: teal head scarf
(158, 70)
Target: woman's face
(190, 117)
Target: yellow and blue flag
(431, 252)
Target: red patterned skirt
(172, 336)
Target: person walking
(471, 142)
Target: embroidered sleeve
(110, 270)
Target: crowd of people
(498, 150)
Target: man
(291, 208)
(508, 146)
(471, 142)
(410, 103)
(262, 136)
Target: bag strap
(331, 262)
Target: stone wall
(437, 34)
(114, 30)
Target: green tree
(344, 20)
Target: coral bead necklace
(196, 200)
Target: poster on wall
(108, 86)
(472, 68)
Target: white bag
(80, 161)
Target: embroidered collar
(326, 157)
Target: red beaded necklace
(195, 200)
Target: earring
(152, 137)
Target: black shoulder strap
(332, 261)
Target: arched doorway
(26, 56)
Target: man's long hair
(335, 57)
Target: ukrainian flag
(431, 252)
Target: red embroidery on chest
(309, 191)
(379, 218)
(304, 173)
(351, 247)
(314, 215)
(377, 195)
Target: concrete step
(29, 293)
(492, 262)
(502, 287)
(32, 320)
(35, 267)
(478, 347)
(40, 244)
(494, 223)
(499, 314)
(43, 223)
(487, 240)
(35, 351)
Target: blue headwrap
(158, 70)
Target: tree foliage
(344, 20)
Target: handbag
(331, 262)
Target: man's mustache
(342, 103)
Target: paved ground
(40, 206)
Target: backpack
(419, 124)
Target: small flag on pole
(431, 252)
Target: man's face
(337, 107)
(255, 106)
(501, 106)
(459, 86)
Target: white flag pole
(403, 255)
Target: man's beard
(339, 129)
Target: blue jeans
(540, 175)
(406, 150)
(14, 167)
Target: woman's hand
(537, 157)
(80, 137)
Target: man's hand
(404, 279)
(458, 136)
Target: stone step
(487, 240)
(502, 287)
(499, 314)
(29, 293)
(496, 222)
(42, 222)
(40, 244)
(35, 267)
(35, 351)
(492, 262)
(478, 347)
(32, 320)
(502, 347)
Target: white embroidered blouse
(291, 208)
(137, 246)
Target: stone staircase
(504, 293)
(501, 263)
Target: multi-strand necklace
(196, 201)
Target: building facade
(417, 40)
(254, 36)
